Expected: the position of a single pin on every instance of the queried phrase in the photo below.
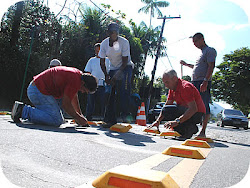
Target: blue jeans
(122, 86)
(206, 96)
(46, 110)
(91, 101)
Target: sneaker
(16, 112)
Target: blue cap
(113, 27)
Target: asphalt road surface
(43, 156)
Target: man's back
(59, 80)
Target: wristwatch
(178, 120)
(205, 79)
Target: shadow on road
(130, 138)
(240, 144)
(220, 145)
(53, 129)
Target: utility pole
(156, 59)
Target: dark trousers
(206, 96)
(122, 86)
(171, 112)
(98, 96)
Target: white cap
(55, 62)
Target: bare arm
(124, 62)
(186, 64)
(160, 117)
(104, 70)
(192, 109)
(73, 109)
(203, 86)
(76, 105)
(103, 67)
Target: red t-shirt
(186, 92)
(58, 81)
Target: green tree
(187, 78)
(232, 82)
(19, 23)
(149, 40)
(152, 7)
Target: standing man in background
(93, 66)
(117, 49)
(202, 74)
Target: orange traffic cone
(141, 119)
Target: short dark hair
(90, 82)
(198, 35)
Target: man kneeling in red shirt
(55, 83)
(188, 110)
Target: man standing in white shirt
(117, 49)
(93, 67)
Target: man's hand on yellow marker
(170, 124)
(156, 123)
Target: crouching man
(188, 110)
(55, 83)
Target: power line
(178, 41)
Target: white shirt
(93, 66)
(115, 53)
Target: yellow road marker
(100, 122)
(92, 123)
(208, 140)
(170, 133)
(152, 131)
(187, 152)
(196, 143)
(184, 172)
(123, 128)
(127, 177)
(151, 161)
(3, 113)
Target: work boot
(16, 112)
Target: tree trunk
(16, 23)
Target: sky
(224, 23)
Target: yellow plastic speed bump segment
(128, 177)
(152, 131)
(208, 140)
(196, 143)
(170, 133)
(123, 128)
(100, 122)
(92, 123)
(184, 152)
(3, 113)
